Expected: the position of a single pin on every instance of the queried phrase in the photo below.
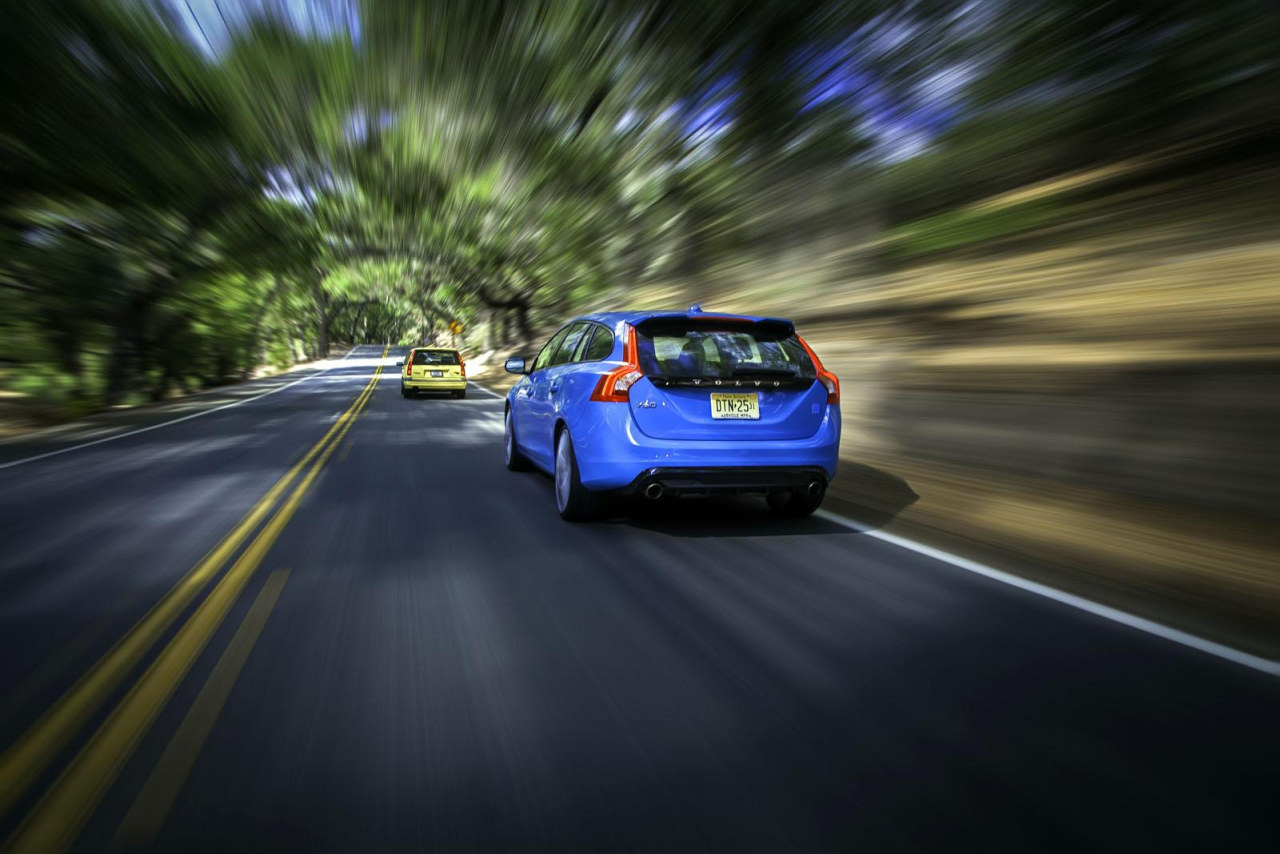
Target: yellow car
(433, 369)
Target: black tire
(405, 393)
(795, 504)
(516, 461)
(575, 502)
(460, 395)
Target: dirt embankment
(1099, 395)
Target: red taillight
(829, 380)
(462, 366)
(614, 387)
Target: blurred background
(1037, 239)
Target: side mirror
(400, 364)
(515, 366)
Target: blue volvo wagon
(658, 404)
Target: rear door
(707, 378)
(548, 389)
(529, 406)
(576, 380)
(537, 401)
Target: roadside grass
(973, 225)
(1223, 199)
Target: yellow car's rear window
(435, 357)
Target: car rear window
(435, 357)
(711, 352)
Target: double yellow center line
(57, 818)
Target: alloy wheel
(508, 445)
(563, 471)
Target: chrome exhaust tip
(653, 491)
(815, 488)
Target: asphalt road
(328, 618)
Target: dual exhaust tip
(655, 490)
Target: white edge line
(67, 450)
(1255, 662)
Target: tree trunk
(322, 307)
(522, 319)
(491, 322)
(124, 365)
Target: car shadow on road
(721, 517)
(865, 494)
(869, 495)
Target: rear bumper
(613, 454)
(729, 479)
(434, 385)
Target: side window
(600, 346)
(544, 357)
(569, 346)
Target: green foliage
(177, 211)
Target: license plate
(437, 373)
(735, 405)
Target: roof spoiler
(772, 327)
